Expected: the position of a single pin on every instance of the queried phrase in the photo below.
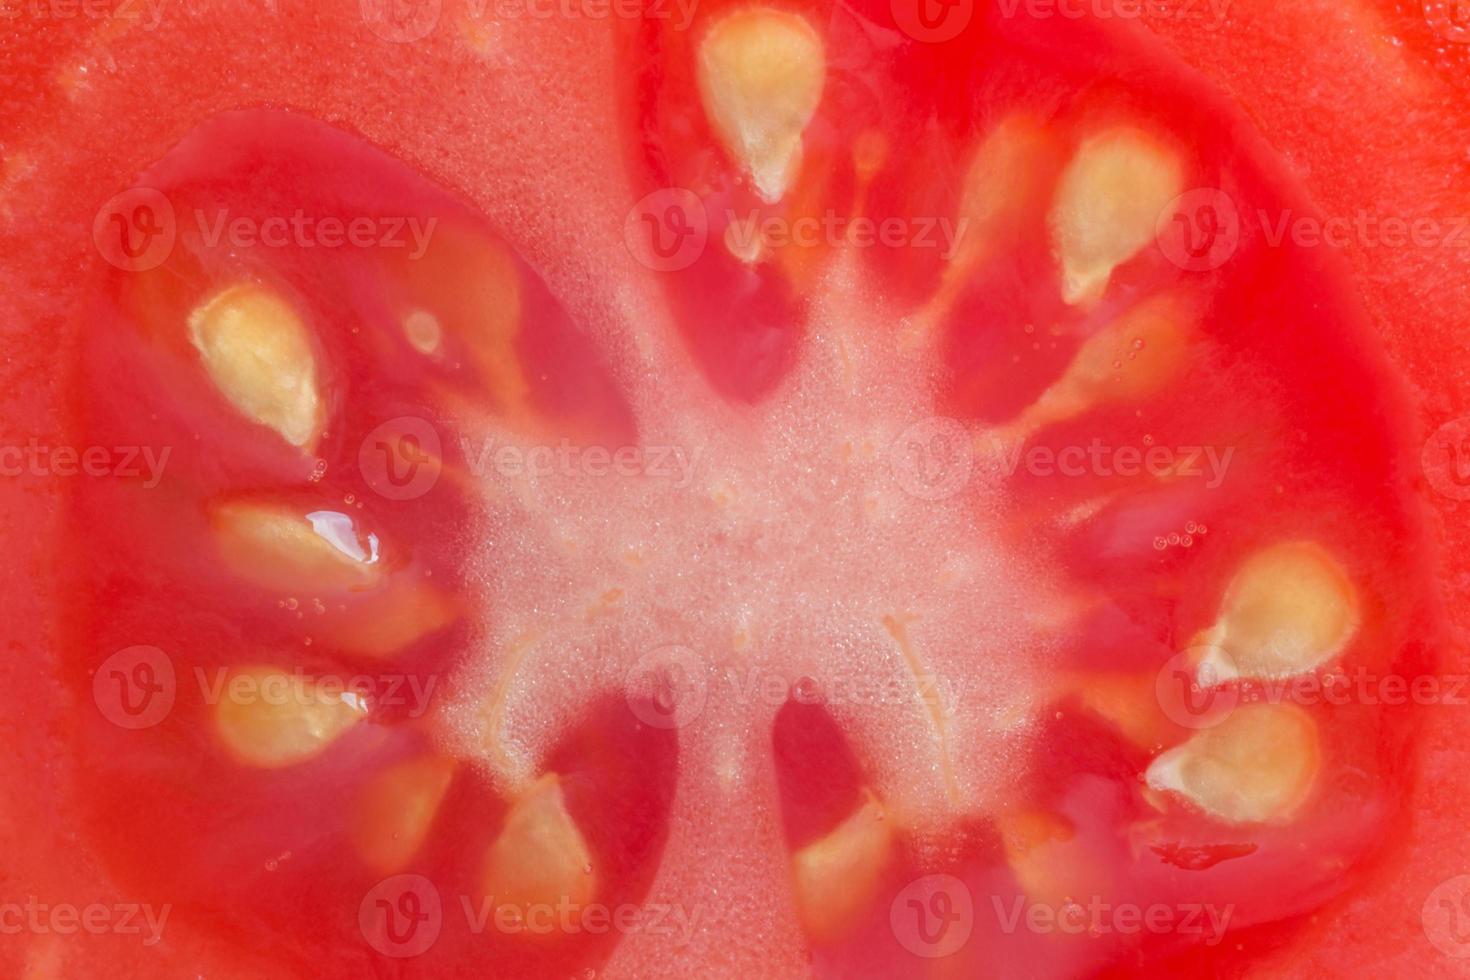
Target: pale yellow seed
(259, 354)
(1289, 609)
(270, 718)
(1129, 359)
(743, 240)
(540, 858)
(1257, 766)
(1107, 207)
(280, 548)
(1044, 854)
(837, 877)
(1003, 174)
(761, 72)
(396, 809)
(402, 614)
(423, 331)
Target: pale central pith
(782, 547)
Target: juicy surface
(703, 760)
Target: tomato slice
(895, 506)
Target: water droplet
(1160, 544)
(1174, 537)
(804, 691)
(1138, 343)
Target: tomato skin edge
(1410, 296)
